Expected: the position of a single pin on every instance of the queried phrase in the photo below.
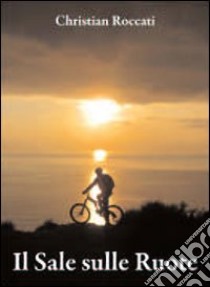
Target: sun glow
(99, 155)
(99, 112)
(95, 218)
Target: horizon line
(111, 155)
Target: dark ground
(156, 229)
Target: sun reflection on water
(99, 156)
(95, 218)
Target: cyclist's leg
(105, 208)
(100, 201)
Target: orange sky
(156, 80)
(49, 125)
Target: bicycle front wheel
(116, 214)
(79, 213)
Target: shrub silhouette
(7, 227)
(48, 225)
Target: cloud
(165, 63)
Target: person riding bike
(106, 185)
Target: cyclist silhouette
(106, 185)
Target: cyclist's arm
(90, 186)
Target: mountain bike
(81, 212)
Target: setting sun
(99, 112)
(99, 155)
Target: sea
(40, 187)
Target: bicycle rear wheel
(116, 214)
(79, 213)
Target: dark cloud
(165, 63)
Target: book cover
(105, 143)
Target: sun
(98, 112)
(99, 155)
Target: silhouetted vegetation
(155, 228)
(49, 225)
(7, 227)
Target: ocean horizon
(41, 187)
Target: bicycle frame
(112, 213)
(95, 202)
(89, 198)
